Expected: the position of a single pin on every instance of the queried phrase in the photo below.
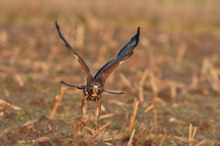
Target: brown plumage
(95, 85)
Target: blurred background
(177, 61)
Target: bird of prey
(94, 87)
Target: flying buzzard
(95, 84)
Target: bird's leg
(84, 109)
(97, 112)
(78, 127)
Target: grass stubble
(172, 100)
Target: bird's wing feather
(123, 54)
(85, 68)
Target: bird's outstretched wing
(123, 54)
(85, 68)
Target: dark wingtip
(70, 85)
(138, 34)
(138, 31)
(56, 24)
(111, 92)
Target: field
(171, 83)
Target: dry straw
(163, 139)
(5, 104)
(155, 91)
(127, 82)
(181, 53)
(192, 134)
(131, 138)
(191, 138)
(141, 135)
(58, 101)
(133, 116)
(141, 85)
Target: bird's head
(94, 89)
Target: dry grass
(172, 82)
